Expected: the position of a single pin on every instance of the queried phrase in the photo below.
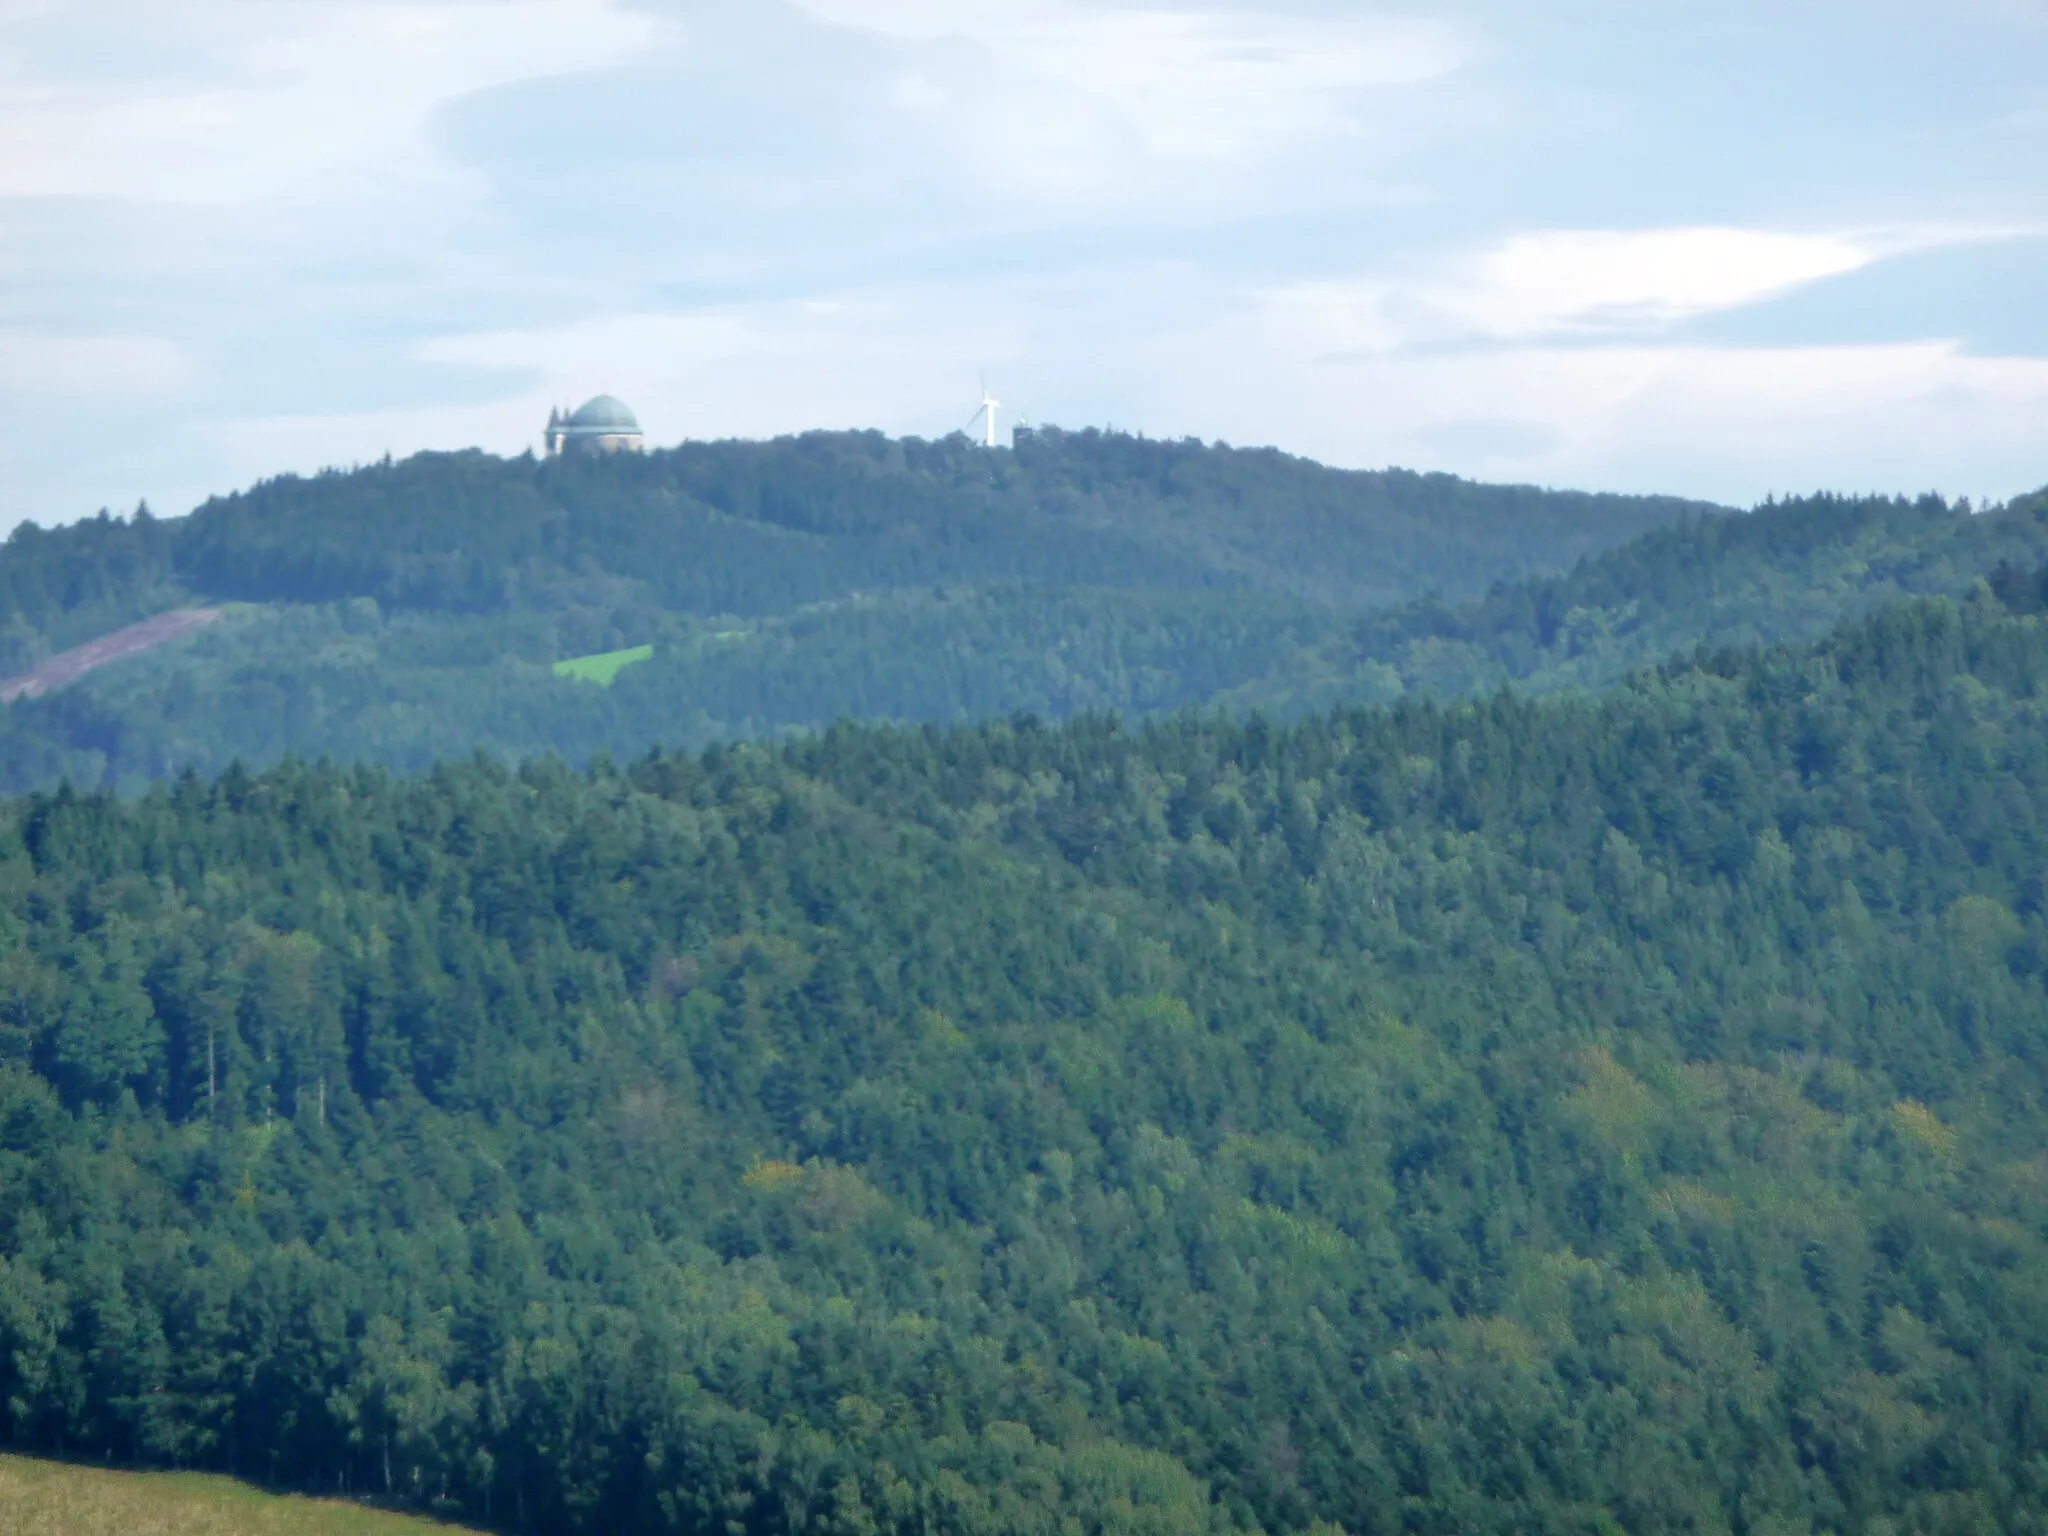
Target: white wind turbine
(985, 413)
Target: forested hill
(1789, 571)
(751, 528)
(1513, 1116)
(405, 613)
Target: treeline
(1503, 1116)
(1789, 571)
(355, 681)
(404, 613)
(759, 528)
(61, 587)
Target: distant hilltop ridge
(414, 610)
(602, 424)
(750, 528)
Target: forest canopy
(1504, 1115)
(404, 613)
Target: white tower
(987, 415)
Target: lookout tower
(602, 425)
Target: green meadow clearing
(604, 668)
(43, 1498)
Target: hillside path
(67, 667)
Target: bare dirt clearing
(67, 667)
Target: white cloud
(1591, 279)
(277, 100)
(1729, 423)
(1117, 343)
(1566, 281)
(1054, 95)
(1562, 376)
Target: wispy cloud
(1579, 287)
(1052, 95)
(234, 103)
(1622, 279)
(1167, 349)
(1558, 283)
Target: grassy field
(43, 1498)
(602, 669)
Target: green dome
(603, 414)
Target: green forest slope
(1508, 1116)
(752, 528)
(1789, 571)
(405, 613)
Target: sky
(1725, 249)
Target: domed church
(602, 425)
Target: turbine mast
(988, 415)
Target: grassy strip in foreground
(602, 669)
(45, 1498)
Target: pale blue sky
(1721, 249)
